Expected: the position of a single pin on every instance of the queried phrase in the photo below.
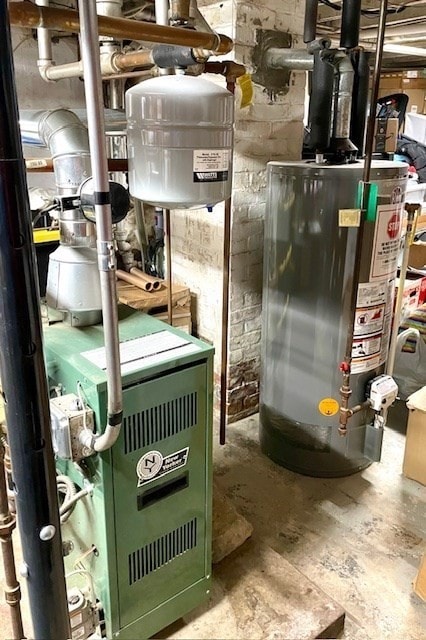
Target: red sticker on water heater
(394, 226)
(384, 258)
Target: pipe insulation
(360, 61)
(351, 16)
(320, 104)
(105, 244)
(23, 374)
(311, 17)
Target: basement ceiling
(405, 27)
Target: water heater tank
(311, 230)
(180, 134)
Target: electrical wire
(367, 12)
(89, 578)
(40, 213)
(80, 393)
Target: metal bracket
(67, 203)
(274, 80)
(106, 256)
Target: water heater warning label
(372, 320)
(211, 165)
(386, 241)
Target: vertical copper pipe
(225, 321)
(169, 267)
(230, 85)
(345, 366)
(7, 525)
(366, 176)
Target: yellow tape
(45, 235)
(246, 86)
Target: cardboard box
(414, 465)
(419, 585)
(386, 135)
(417, 255)
(414, 292)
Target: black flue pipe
(320, 103)
(349, 28)
(360, 62)
(311, 17)
(23, 374)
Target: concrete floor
(359, 539)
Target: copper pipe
(230, 85)
(130, 74)
(45, 165)
(169, 267)
(225, 322)
(228, 68)
(7, 525)
(145, 277)
(133, 59)
(27, 15)
(135, 280)
(345, 366)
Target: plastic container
(180, 135)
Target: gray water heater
(311, 229)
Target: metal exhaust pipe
(24, 377)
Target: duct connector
(73, 285)
(341, 143)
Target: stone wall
(269, 129)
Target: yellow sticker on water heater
(328, 407)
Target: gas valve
(382, 392)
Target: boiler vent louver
(160, 422)
(160, 552)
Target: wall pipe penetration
(23, 374)
(105, 244)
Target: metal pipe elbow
(63, 133)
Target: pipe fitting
(294, 59)
(112, 8)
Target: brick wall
(269, 129)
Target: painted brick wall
(269, 129)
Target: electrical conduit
(106, 257)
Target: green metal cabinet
(144, 533)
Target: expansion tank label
(154, 465)
(387, 233)
(211, 165)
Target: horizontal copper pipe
(24, 14)
(45, 165)
(134, 59)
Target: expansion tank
(310, 236)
